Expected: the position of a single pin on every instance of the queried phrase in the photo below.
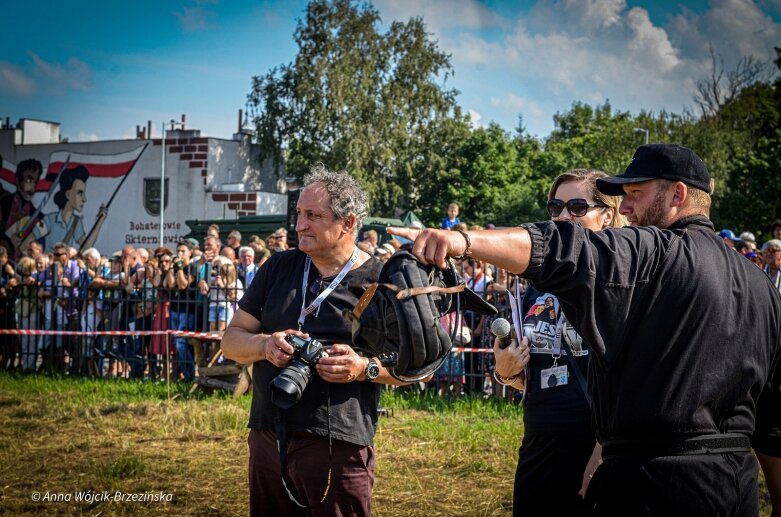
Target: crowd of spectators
(196, 287)
(192, 287)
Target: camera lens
(288, 386)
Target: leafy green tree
(750, 200)
(371, 103)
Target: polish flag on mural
(98, 165)
(7, 175)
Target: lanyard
(559, 331)
(306, 311)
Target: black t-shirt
(562, 408)
(685, 334)
(183, 300)
(274, 298)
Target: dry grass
(65, 436)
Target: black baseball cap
(659, 161)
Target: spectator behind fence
(247, 268)
(160, 349)
(277, 241)
(8, 284)
(213, 231)
(27, 311)
(771, 252)
(93, 279)
(234, 242)
(225, 290)
(56, 290)
(557, 415)
(180, 279)
(451, 219)
(259, 246)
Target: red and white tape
(117, 333)
(213, 336)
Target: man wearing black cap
(685, 373)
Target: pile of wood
(231, 376)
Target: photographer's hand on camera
(277, 350)
(342, 365)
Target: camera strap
(281, 432)
(306, 311)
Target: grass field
(70, 439)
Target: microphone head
(501, 328)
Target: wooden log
(220, 370)
(244, 383)
(215, 383)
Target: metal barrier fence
(123, 329)
(142, 331)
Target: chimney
(183, 119)
(241, 113)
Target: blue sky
(101, 68)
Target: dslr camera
(288, 386)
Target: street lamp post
(646, 132)
(162, 183)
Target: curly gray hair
(347, 197)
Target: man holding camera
(685, 373)
(325, 460)
(181, 279)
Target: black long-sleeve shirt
(685, 333)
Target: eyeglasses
(576, 207)
(771, 251)
(59, 254)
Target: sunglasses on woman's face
(576, 207)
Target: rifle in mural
(22, 228)
(90, 237)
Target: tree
(753, 185)
(362, 101)
(721, 88)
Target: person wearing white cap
(771, 251)
(750, 240)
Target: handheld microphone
(501, 328)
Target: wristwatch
(372, 370)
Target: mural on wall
(59, 216)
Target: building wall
(195, 167)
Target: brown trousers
(352, 477)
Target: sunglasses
(576, 207)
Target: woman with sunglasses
(157, 345)
(558, 453)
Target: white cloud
(475, 118)
(14, 80)
(735, 28)
(88, 137)
(441, 14)
(585, 16)
(56, 79)
(649, 43)
(193, 19)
